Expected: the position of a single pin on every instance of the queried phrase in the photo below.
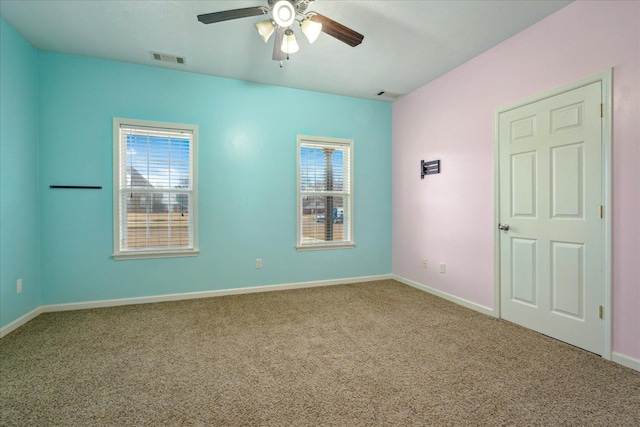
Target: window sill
(155, 254)
(325, 247)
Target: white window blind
(325, 196)
(155, 209)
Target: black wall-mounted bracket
(81, 187)
(429, 168)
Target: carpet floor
(377, 353)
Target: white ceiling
(406, 43)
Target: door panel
(523, 175)
(567, 281)
(523, 270)
(567, 117)
(567, 180)
(550, 193)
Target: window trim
(302, 139)
(155, 253)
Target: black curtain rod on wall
(82, 187)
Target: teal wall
(19, 215)
(56, 128)
(247, 176)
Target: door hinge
(600, 312)
(601, 110)
(601, 211)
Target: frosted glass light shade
(284, 13)
(265, 29)
(311, 29)
(289, 43)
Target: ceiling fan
(283, 14)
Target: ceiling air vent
(168, 58)
(389, 94)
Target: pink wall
(449, 217)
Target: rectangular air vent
(168, 58)
(389, 94)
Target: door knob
(503, 227)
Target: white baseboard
(621, 359)
(208, 294)
(461, 301)
(627, 361)
(618, 358)
(176, 297)
(21, 321)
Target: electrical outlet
(19, 286)
(443, 267)
(424, 263)
(259, 263)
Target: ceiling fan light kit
(265, 28)
(289, 43)
(283, 14)
(311, 29)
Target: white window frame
(118, 252)
(348, 221)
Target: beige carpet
(378, 353)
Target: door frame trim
(605, 78)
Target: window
(155, 209)
(325, 193)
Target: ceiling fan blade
(278, 54)
(225, 15)
(337, 30)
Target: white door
(551, 237)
